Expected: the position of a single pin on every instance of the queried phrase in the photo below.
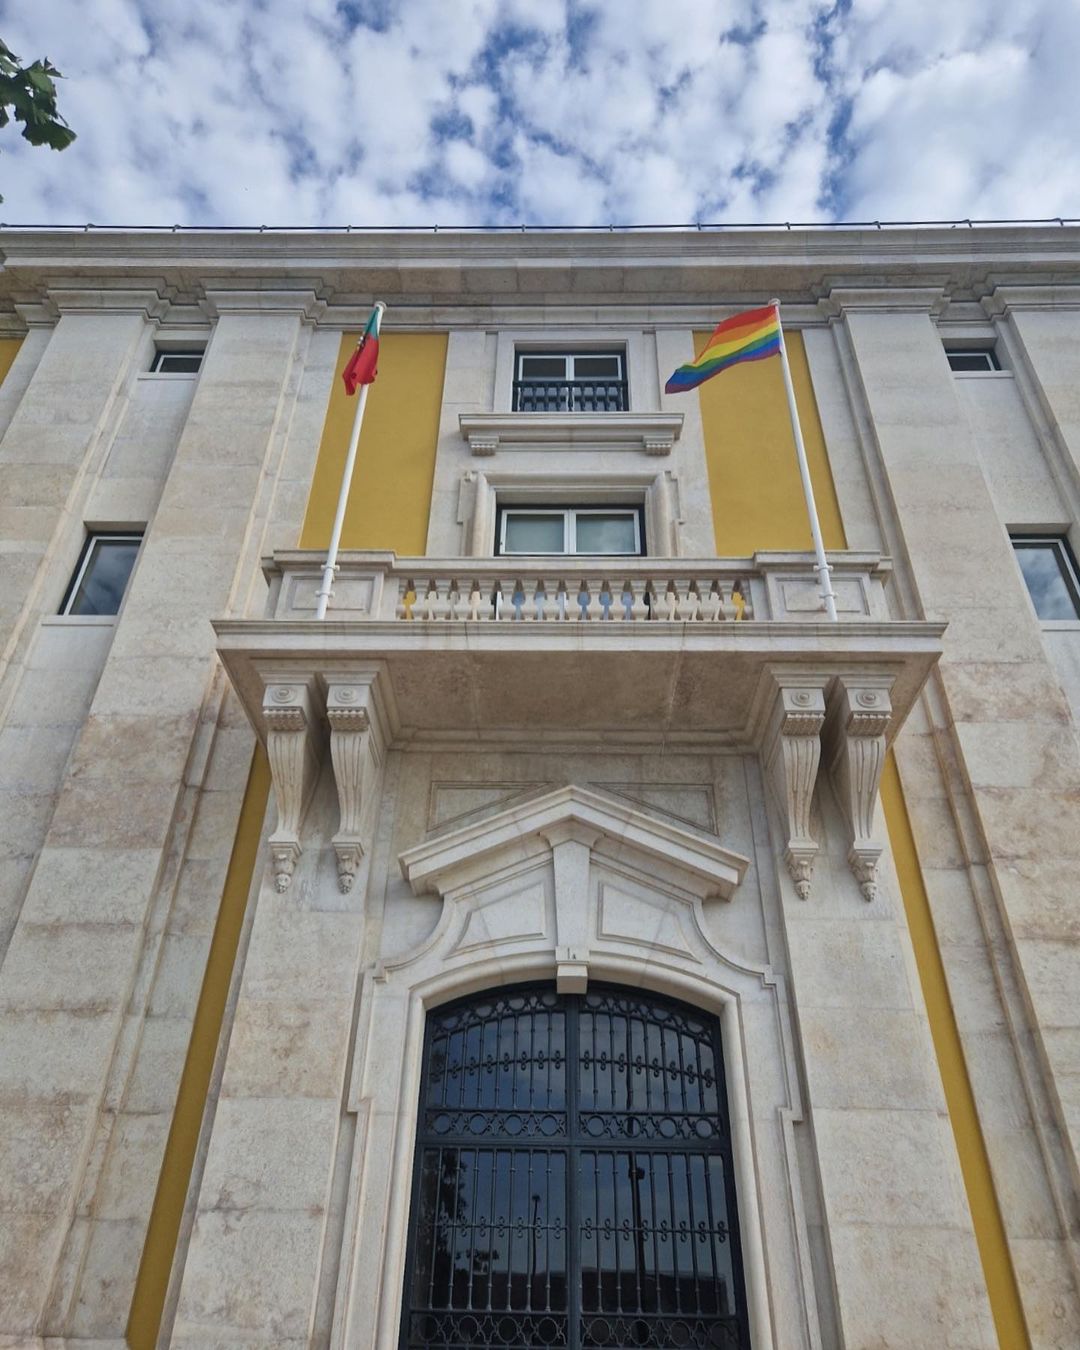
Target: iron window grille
(570, 382)
(573, 1181)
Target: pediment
(611, 828)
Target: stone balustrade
(767, 586)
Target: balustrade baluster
(453, 599)
(597, 611)
(712, 606)
(476, 601)
(691, 606)
(407, 600)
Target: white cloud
(295, 112)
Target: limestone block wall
(987, 765)
(104, 967)
(58, 658)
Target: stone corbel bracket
(291, 720)
(859, 715)
(350, 739)
(791, 754)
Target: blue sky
(577, 112)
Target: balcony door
(573, 1182)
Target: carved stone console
(291, 731)
(791, 753)
(859, 716)
(350, 734)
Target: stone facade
(244, 854)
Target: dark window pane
(105, 577)
(177, 363)
(586, 367)
(539, 367)
(1044, 568)
(978, 359)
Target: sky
(549, 112)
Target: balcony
(708, 654)
(641, 647)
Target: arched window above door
(573, 1181)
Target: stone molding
(1001, 300)
(651, 433)
(305, 303)
(840, 300)
(791, 754)
(859, 717)
(290, 718)
(571, 816)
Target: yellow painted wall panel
(395, 465)
(9, 349)
(757, 498)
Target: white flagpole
(330, 568)
(822, 564)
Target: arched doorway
(573, 1184)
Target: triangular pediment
(610, 827)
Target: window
(972, 360)
(614, 531)
(573, 1179)
(102, 574)
(1051, 575)
(167, 362)
(570, 382)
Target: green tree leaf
(30, 93)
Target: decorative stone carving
(290, 748)
(483, 445)
(858, 720)
(350, 730)
(791, 754)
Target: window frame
(162, 354)
(1067, 564)
(987, 349)
(569, 514)
(93, 538)
(569, 355)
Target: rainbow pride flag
(750, 336)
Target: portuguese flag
(361, 368)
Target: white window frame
(570, 516)
(93, 539)
(569, 356)
(163, 354)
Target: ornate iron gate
(573, 1182)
